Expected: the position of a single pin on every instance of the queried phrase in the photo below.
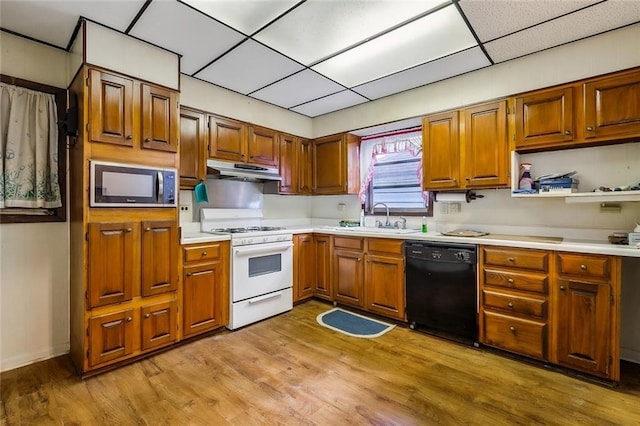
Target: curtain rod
(393, 133)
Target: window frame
(58, 214)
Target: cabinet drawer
(201, 252)
(385, 245)
(515, 303)
(515, 334)
(584, 265)
(537, 283)
(533, 260)
(348, 243)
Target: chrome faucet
(400, 224)
(387, 224)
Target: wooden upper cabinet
(612, 106)
(485, 147)
(159, 257)
(111, 337)
(159, 118)
(441, 151)
(111, 112)
(111, 262)
(263, 147)
(305, 166)
(289, 164)
(336, 164)
(227, 139)
(159, 324)
(193, 148)
(544, 118)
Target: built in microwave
(130, 185)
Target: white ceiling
(319, 56)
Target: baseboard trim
(630, 355)
(21, 360)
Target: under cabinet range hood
(240, 171)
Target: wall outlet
(185, 208)
(449, 208)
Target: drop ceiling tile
(433, 36)
(587, 22)
(449, 66)
(330, 103)
(249, 67)
(54, 21)
(181, 29)
(491, 19)
(247, 16)
(319, 28)
(299, 88)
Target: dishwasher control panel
(441, 252)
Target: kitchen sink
(374, 230)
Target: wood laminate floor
(289, 370)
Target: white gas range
(261, 264)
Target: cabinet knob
(589, 128)
(204, 253)
(510, 304)
(147, 140)
(567, 132)
(147, 315)
(189, 274)
(511, 259)
(359, 259)
(561, 288)
(467, 179)
(147, 229)
(510, 280)
(129, 137)
(129, 230)
(129, 319)
(583, 267)
(512, 329)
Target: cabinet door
(227, 139)
(110, 108)
(384, 285)
(484, 141)
(193, 148)
(111, 337)
(111, 272)
(263, 147)
(289, 161)
(159, 324)
(305, 166)
(441, 151)
(330, 165)
(544, 119)
(583, 324)
(159, 118)
(203, 298)
(612, 106)
(323, 287)
(304, 267)
(159, 257)
(348, 277)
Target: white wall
(34, 258)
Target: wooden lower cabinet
(384, 278)
(348, 277)
(111, 337)
(323, 286)
(304, 267)
(205, 287)
(159, 324)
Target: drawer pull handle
(583, 267)
(510, 304)
(511, 259)
(204, 253)
(561, 288)
(147, 315)
(510, 280)
(512, 329)
(129, 319)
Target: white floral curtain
(28, 149)
(372, 148)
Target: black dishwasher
(442, 296)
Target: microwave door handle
(160, 190)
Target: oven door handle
(265, 297)
(264, 249)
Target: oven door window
(263, 265)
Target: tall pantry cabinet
(125, 286)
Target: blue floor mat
(353, 324)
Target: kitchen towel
(200, 192)
(353, 324)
